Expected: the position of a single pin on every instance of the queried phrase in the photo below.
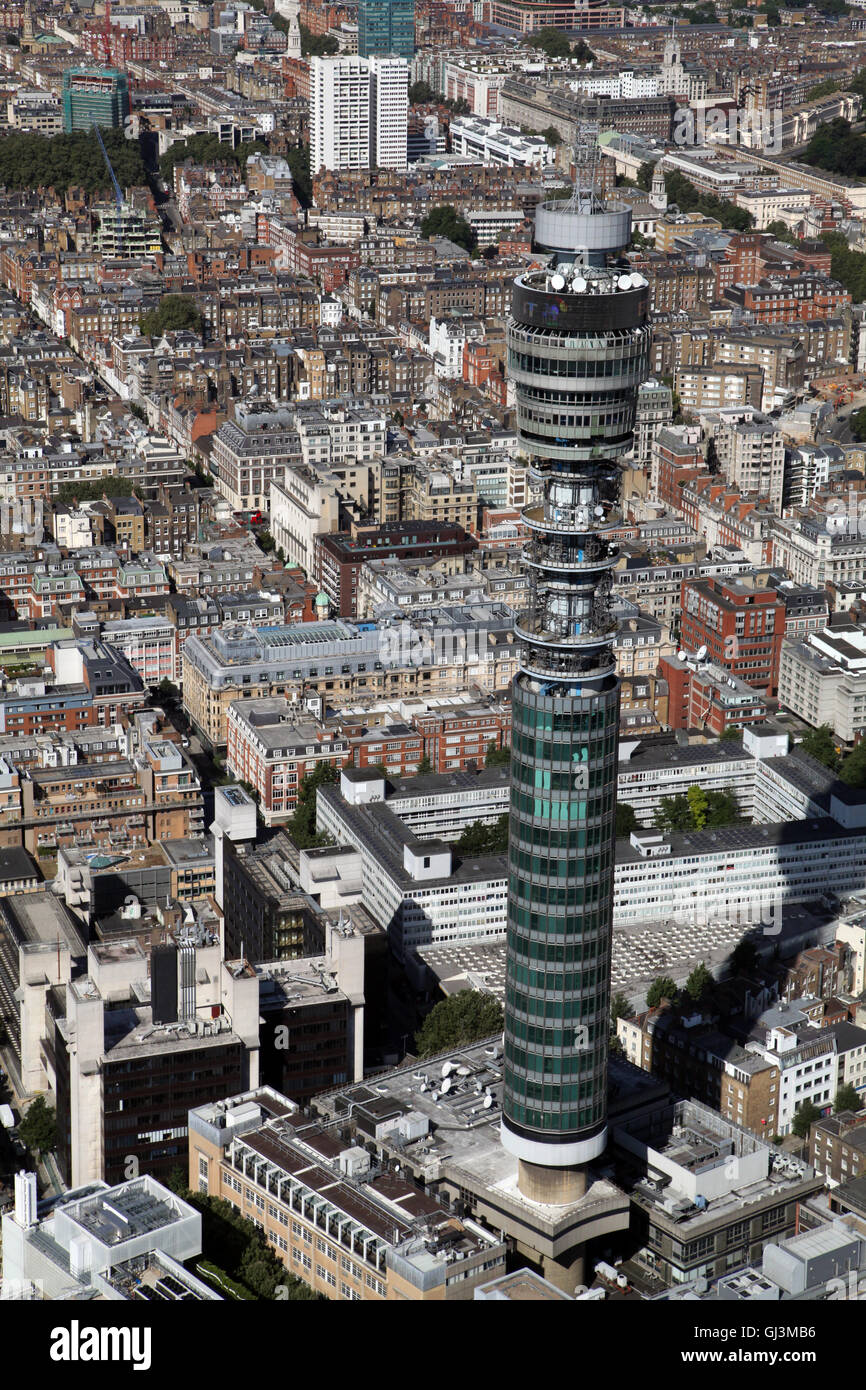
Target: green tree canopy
(479, 838)
(626, 820)
(662, 987)
(317, 45)
(698, 806)
(853, 769)
(688, 199)
(92, 489)
(820, 744)
(620, 1007)
(38, 1129)
(847, 1098)
(552, 135)
(744, 957)
(460, 1019)
(70, 161)
(731, 733)
(176, 311)
(424, 766)
(645, 175)
(207, 149)
(804, 1117)
(302, 826)
(697, 810)
(836, 146)
(445, 221)
(421, 94)
(699, 983)
(298, 160)
(497, 757)
(552, 42)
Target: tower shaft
(578, 349)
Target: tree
(723, 808)
(424, 766)
(552, 135)
(552, 42)
(317, 45)
(645, 176)
(176, 311)
(70, 161)
(302, 826)
(421, 94)
(731, 733)
(445, 221)
(207, 148)
(804, 1117)
(167, 690)
(699, 983)
(847, 1098)
(479, 838)
(298, 160)
(837, 146)
(626, 820)
(853, 769)
(38, 1129)
(460, 1019)
(820, 744)
(662, 987)
(497, 757)
(92, 489)
(582, 52)
(620, 1008)
(698, 806)
(688, 199)
(857, 424)
(674, 814)
(744, 957)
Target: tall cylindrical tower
(578, 348)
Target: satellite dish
(637, 281)
(681, 656)
(446, 1086)
(701, 653)
(557, 282)
(487, 1102)
(447, 1068)
(599, 511)
(624, 282)
(579, 285)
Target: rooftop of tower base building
(451, 1104)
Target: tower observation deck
(578, 349)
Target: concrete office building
(339, 114)
(122, 1243)
(578, 348)
(336, 1217)
(389, 111)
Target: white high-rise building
(339, 113)
(359, 111)
(389, 111)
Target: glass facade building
(94, 96)
(386, 26)
(578, 345)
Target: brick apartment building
(740, 622)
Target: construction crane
(118, 195)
